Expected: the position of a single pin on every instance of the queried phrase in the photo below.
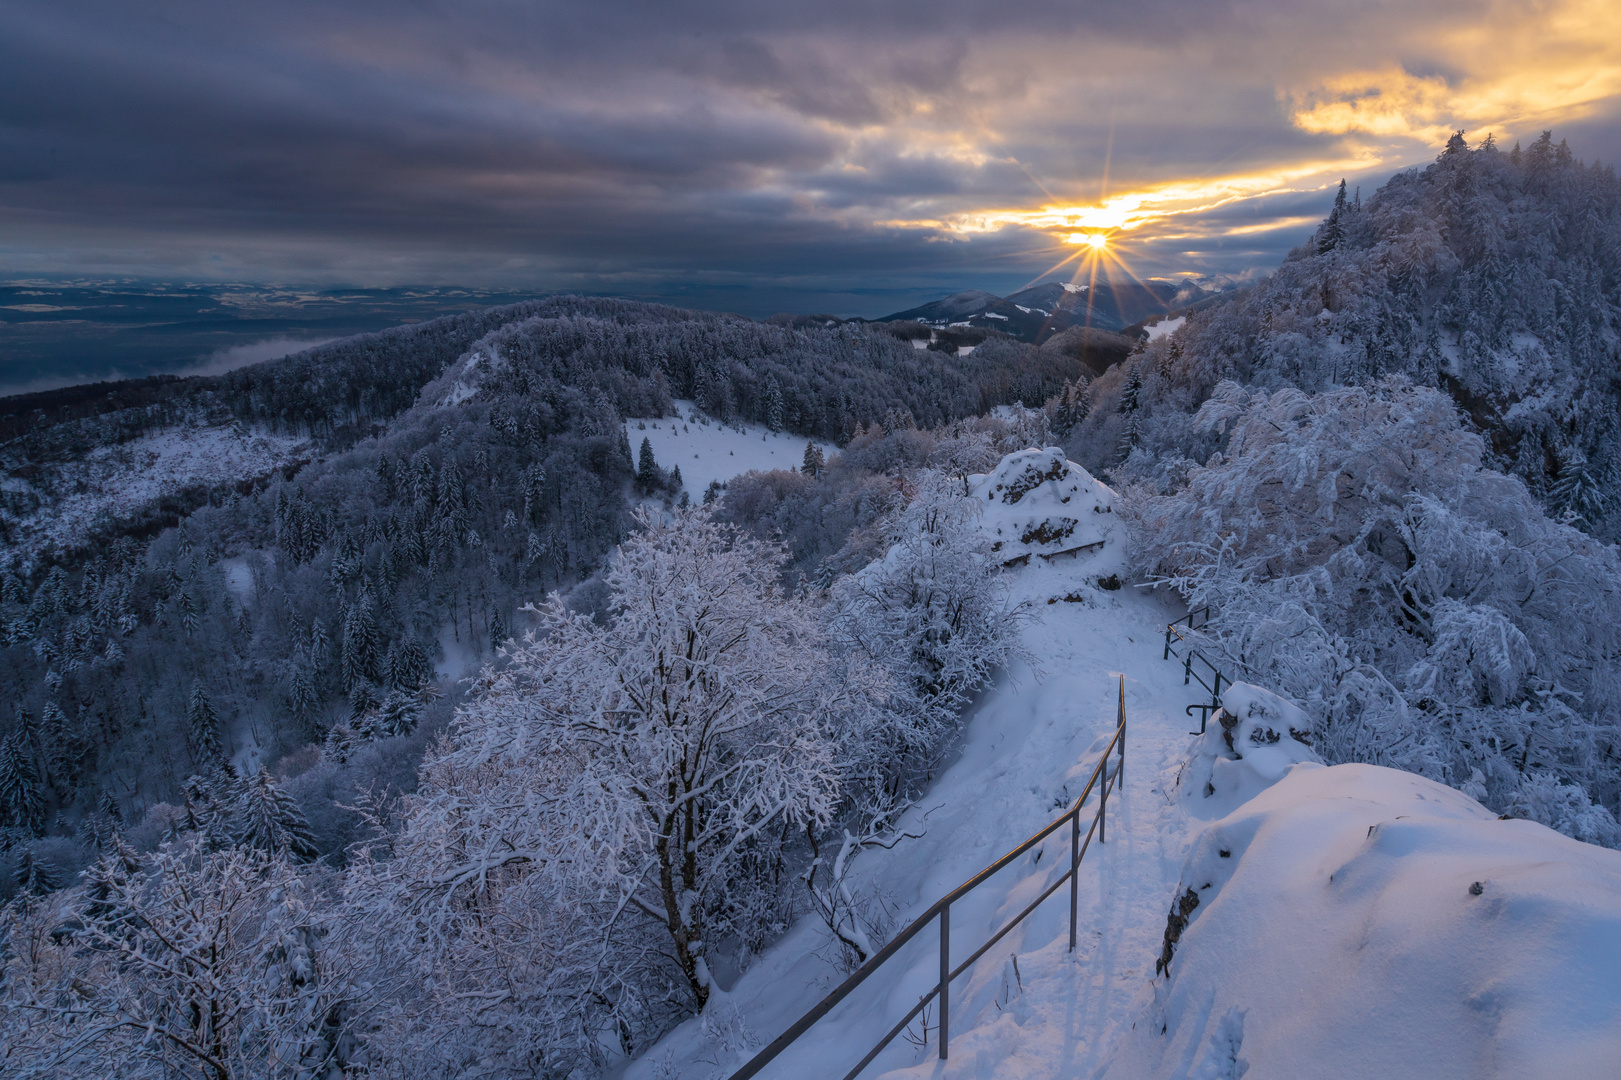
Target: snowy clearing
(1165, 327)
(707, 450)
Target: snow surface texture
(708, 451)
(113, 482)
(1359, 921)
(1035, 503)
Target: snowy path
(1026, 750)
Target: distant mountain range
(1041, 311)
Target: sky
(849, 156)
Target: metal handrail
(1189, 672)
(942, 909)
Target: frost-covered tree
(1422, 607)
(648, 478)
(814, 461)
(211, 965)
(610, 806)
(203, 726)
(934, 611)
(22, 797)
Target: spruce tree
(814, 461)
(396, 716)
(22, 798)
(647, 470)
(1131, 395)
(36, 876)
(203, 726)
(1333, 230)
(360, 642)
(267, 819)
(773, 406)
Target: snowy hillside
(708, 451)
(1271, 928)
(111, 483)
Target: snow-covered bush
(1423, 608)
(608, 813)
(935, 612)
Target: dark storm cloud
(826, 148)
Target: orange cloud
(1522, 66)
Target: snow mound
(1359, 921)
(1250, 743)
(1037, 503)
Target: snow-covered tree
(934, 611)
(203, 726)
(814, 461)
(648, 477)
(22, 796)
(1362, 560)
(610, 805)
(207, 964)
(265, 818)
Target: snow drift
(1358, 921)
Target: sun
(1094, 240)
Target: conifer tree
(647, 470)
(773, 406)
(360, 641)
(814, 461)
(267, 819)
(22, 799)
(203, 726)
(37, 876)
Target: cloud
(232, 357)
(1524, 66)
(650, 147)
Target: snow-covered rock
(1359, 921)
(1036, 503)
(1250, 744)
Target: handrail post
(1187, 668)
(1167, 655)
(945, 978)
(1120, 767)
(1103, 798)
(1216, 698)
(1074, 870)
